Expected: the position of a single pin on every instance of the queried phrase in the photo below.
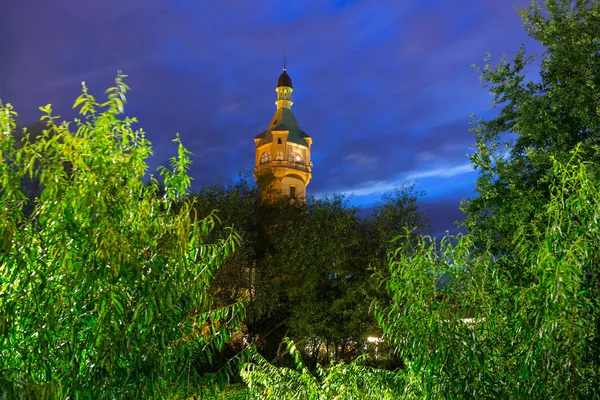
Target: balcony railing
(284, 163)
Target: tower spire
(284, 86)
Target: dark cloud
(384, 87)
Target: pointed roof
(284, 78)
(284, 120)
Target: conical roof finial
(284, 78)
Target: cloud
(425, 155)
(370, 188)
(379, 187)
(361, 159)
(385, 88)
(441, 172)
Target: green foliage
(239, 206)
(511, 309)
(31, 188)
(230, 392)
(338, 381)
(323, 264)
(468, 329)
(395, 212)
(537, 120)
(321, 269)
(303, 269)
(104, 287)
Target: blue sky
(385, 88)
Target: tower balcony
(299, 166)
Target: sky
(384, 88)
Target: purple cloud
(385, 88)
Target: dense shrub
(339, 381)
(468, 329)
(103, 288)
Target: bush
(103, 289)
(468, 329)
(338, 381)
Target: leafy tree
(31, 188)
(240, 277)
(321, 268)
(395, 212)
(392, 215)
(511, 309)
(304, 269)
(238, 205)
(338, 381)
(537, 120)
(467, 329)
(104, 288)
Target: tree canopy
(538, 119)
(104, 286)
(305, 270)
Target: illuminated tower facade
(283, 149)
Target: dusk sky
(385, 88)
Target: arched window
(265, 157)
(295, 157)
(279, 156)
